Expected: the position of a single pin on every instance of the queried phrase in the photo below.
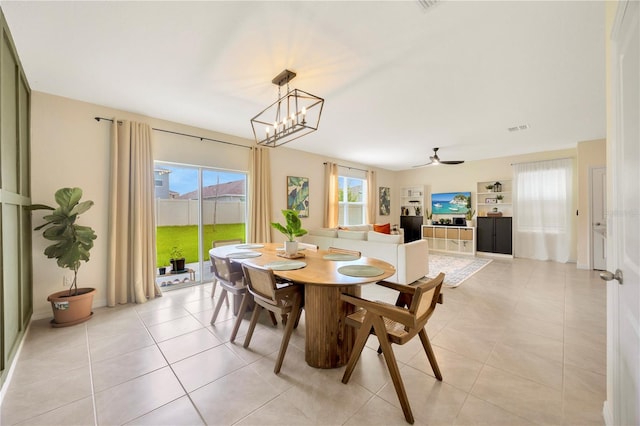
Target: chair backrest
(425, 298)
(220, 243)
(224, 271)
(261, 282)
(344, 251)
(311, 247)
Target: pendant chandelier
(293, 115)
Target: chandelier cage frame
(292, 116)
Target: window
(194, 207)
(543, 208)
(352, 198)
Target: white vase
(291, 247)
(470, 223)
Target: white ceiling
(398, 79)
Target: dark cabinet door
(494, 235)
(412, 226)
(503, 235)
(485, 234)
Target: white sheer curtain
(131, 263)
(331, 216)
(260, 196)
(543, 193)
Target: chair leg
(213, 287)
(223, 296)
(241, 312)
(361, 340)
(287, 334)
(392, 365)
(426, 344)
(274, 321)
(254, 320)
(298, 317)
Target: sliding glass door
(195, 206)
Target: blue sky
(185, 179)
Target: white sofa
(411, 260)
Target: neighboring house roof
(227, 189)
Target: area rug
(456, 268)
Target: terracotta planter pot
(71, 310)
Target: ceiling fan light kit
(435, 160)
(292, 116)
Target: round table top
(318, 271)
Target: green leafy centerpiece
(291, 230)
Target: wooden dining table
(328, 341)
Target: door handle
(597, 224)
(608, 276)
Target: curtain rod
(541, 161)
(348, 167)
(202, 138)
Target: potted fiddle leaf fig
(71, 245)
(291, 230)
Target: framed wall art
(384, 201)
(298, 195)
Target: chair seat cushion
(395, 330)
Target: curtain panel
(260, 196)
(331, 215)
(543, 193)
(372, 197)
(131, 263)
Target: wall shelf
(487, 199)
(412, 197)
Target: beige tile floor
(521, 342)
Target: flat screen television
(450, 203)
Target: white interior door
(623, 248)
(599, 218)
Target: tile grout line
(93, 390)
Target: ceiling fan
(434, 159)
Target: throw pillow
(383, 229)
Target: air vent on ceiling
(426, 4)
(518, 128)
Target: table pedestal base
(328, 340)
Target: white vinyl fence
(171, 212)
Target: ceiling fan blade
(451, 162)
(423, 165)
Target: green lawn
(186, 238)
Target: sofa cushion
(383, 229)
(384, 238)
(352, 235)
(324, 232)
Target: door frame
(590, 251)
